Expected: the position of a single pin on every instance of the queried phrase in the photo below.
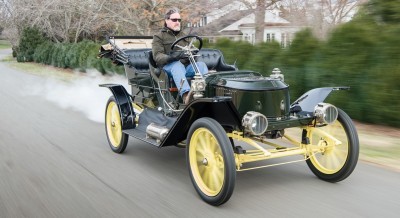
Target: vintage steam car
(237, 121)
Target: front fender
(220, 109)
(122, 98)
(310, 99)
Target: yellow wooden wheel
(338, 148)
(206, 162)
(211, 161)
(116, 138)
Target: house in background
(219, 12)
(236, 22)
(240, 25)
(275, 28)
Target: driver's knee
(175, 69)
(177, 65)
(200, 65)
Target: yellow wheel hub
(113, 123)
(206, 162)
(333, 147)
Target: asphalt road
(55, 162)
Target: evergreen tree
(31, 37)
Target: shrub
(72, 56)
(31, 37)
(85, 47)
(261, 57)
(41, 54)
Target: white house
(276, 29)
(236, 22)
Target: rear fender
(310, 99)
(122, 98)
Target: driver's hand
(176, 56)
(194, 52)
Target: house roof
(225, 7)
(214, 27)
(271, 19)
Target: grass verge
(379, 145)
(41, 69)
(4, 44)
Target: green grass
(4, 44)
(379, 146)
(8, 58)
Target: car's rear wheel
(211, 161)
(116, 138)
(338, 149)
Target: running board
(141, 135)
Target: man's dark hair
(171, 11)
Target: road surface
(55, 162)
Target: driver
(175, 64)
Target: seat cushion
(214, 60)
(138, 58)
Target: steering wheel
(190, 46)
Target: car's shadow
(171, 160)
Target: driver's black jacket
(161, 45)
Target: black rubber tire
(223, 146)
(352, 152)
(115, 137)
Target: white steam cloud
(81, 93)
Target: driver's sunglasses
(176, 19)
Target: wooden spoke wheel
(211, 161)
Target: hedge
(362, 54)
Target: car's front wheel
(211, 161)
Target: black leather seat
(138, 58)
(159, 73)
(141, 62)
(137, 66)
(214, 60)
(153, 64)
